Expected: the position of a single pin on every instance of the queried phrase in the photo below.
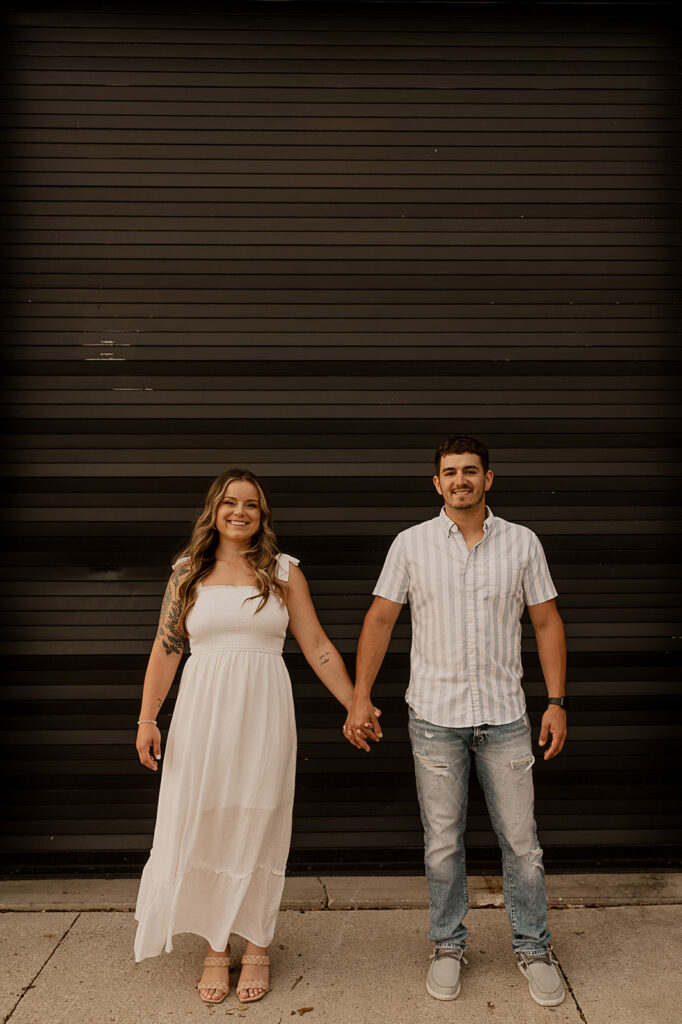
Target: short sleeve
(394, 581)
(283, 563)
(180, 561)
(537, 582)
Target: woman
(224, 818)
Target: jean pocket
(420, 729)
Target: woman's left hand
(362, 723)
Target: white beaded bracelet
(146, 721)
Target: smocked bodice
(224, 618)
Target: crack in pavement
(571, 991)
(33, 980)
(326, 894)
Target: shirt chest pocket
(505, 581)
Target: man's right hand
(362, 723)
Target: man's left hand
(554, 722)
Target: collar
(451, 527)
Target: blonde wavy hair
(261, 556)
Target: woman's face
(238, 516)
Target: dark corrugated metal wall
(315, 244)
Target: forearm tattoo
(325, 658)
(172, 640)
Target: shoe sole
(441, 996)
(542, 1002)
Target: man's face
(462, 482)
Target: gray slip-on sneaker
(442, 979)
(544, 981)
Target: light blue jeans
(504, 763)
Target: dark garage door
(315, 243)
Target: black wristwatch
(561, 701)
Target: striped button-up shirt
(466, 609)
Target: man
(467, 575)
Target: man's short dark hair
(459, 445)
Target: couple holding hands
(223, 825)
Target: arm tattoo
(325, 658)
(172, 640)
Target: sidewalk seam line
(571, 991)
(33, 980)
(386, 905)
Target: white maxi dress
(223, 825)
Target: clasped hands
(362, 723)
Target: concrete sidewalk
(346, 950)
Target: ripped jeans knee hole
(432, 765)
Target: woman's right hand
(148, 743)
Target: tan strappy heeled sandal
(219, 986)
(260, 960)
